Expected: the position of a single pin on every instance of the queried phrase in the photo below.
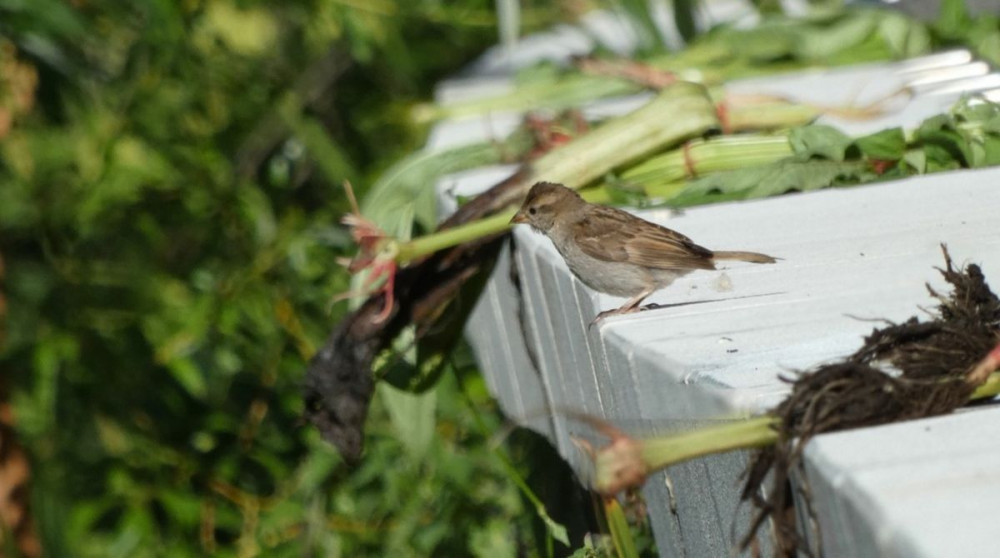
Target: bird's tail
(752, 257)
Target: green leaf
(412, 416)
(904, 36)
(819, 140)
(769, 180)
(977, 153)
(917, 159)
(50, 356)
(887, 145)
(620, 532)
(953, 19)
(764, 44)
(988, 153)
(494, 539)
(992, 124)
(684, 17)
(189, 376)
(946, 149)
(624, 192)
(256, 209)
(976, 111)
(322, 460)
(641, 20)
(595, 546)
(183, 506)
(988, 47)
(556, 530)
(818, 44)
(803, 177)
(934, 123)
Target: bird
(613, 251)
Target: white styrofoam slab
(931, 488)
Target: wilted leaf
(945, 148)
(917, 159)
(953, 18)
(769, 180)
(819, 140)
(887, 145)
(819, 44)
(986, 153)
(905, 37)
(802, 177)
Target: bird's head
(543, 203)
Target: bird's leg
(631, 305)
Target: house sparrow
(613, 251)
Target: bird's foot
(616, 312)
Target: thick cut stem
(745, 434)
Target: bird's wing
(613, 235)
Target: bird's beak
(519, 217)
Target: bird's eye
(532, 211)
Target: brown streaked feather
(613, 235)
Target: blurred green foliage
(169, 247)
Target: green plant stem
(744, 434)
(621, 535)
(427, 245)
(756, 432)
(989, 388)
(707, 156)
